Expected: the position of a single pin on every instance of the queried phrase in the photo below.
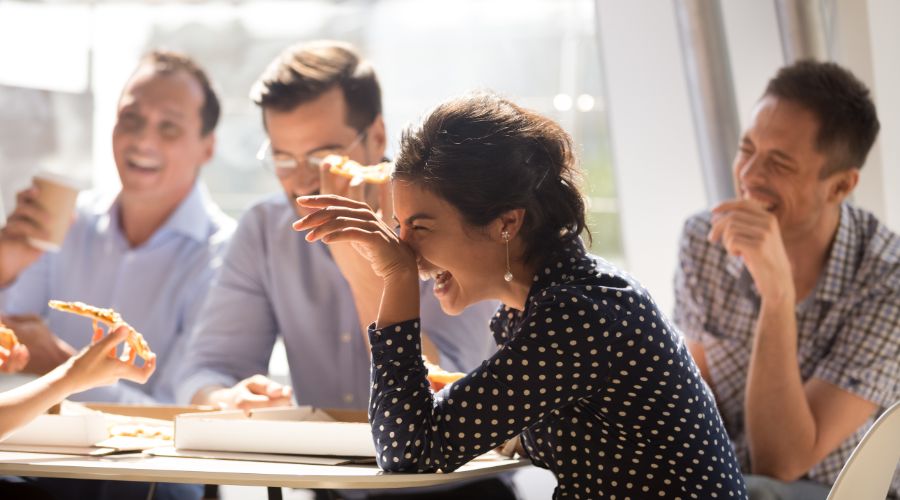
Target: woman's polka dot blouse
(591, 374)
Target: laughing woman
(589, 371)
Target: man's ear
(843, 183)
(376, 139)
(209, 148)
(510, 221)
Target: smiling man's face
(158, 141)
(779, 165)
(311, 128)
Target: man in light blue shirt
(150, 252)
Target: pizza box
(301, 430)
(90, 427)
(61, 430)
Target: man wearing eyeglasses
(317, 99)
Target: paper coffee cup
(57, 194)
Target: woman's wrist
(400, 298)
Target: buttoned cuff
(396, 343)
(194, 382)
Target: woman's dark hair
(485, 155)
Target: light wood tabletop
(139, 467)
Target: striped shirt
(848, 328)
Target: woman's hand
(343, 220)
(94, 366)
(13, 360)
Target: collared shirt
(848, 328)
(275, 283)
(593, 376)
(157, 287)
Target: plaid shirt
(848, 328)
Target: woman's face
(467, 263)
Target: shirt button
(345, 338)
(348, 398)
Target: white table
(274, 476)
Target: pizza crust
(110, 318)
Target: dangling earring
(508, 276)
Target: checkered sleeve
(689, 310)
(865, 357)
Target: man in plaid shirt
(788, 297)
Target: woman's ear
(511, 222)
(843, 184)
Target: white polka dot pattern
(591, 374)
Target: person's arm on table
(92, 367)
(232, 339)
(791, 424)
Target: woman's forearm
(22, 404)
(400, 299)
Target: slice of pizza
(8, 338)
(136, 343)
(440, 378)
(372, 174)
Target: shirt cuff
(397, 342)
(194, 382)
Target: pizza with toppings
(135, 343)
(371, 174)
(440, 378)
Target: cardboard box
(61, 430)
(86, 426)
(300, 430)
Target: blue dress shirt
(157, 287)
(273, 282)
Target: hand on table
(257, 391)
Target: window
(541, 53)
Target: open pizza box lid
(92, 429)
(302, 430)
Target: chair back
(868, 472)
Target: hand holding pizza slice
(135, 343)
(13, 355)
(357, 173)
(8, 338)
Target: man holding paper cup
(149, 251)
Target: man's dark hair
(169, 62)
(303, 72)
(848, 123)
(485, 155)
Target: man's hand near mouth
(749, 230)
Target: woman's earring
(508, 276)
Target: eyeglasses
(284, 165)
